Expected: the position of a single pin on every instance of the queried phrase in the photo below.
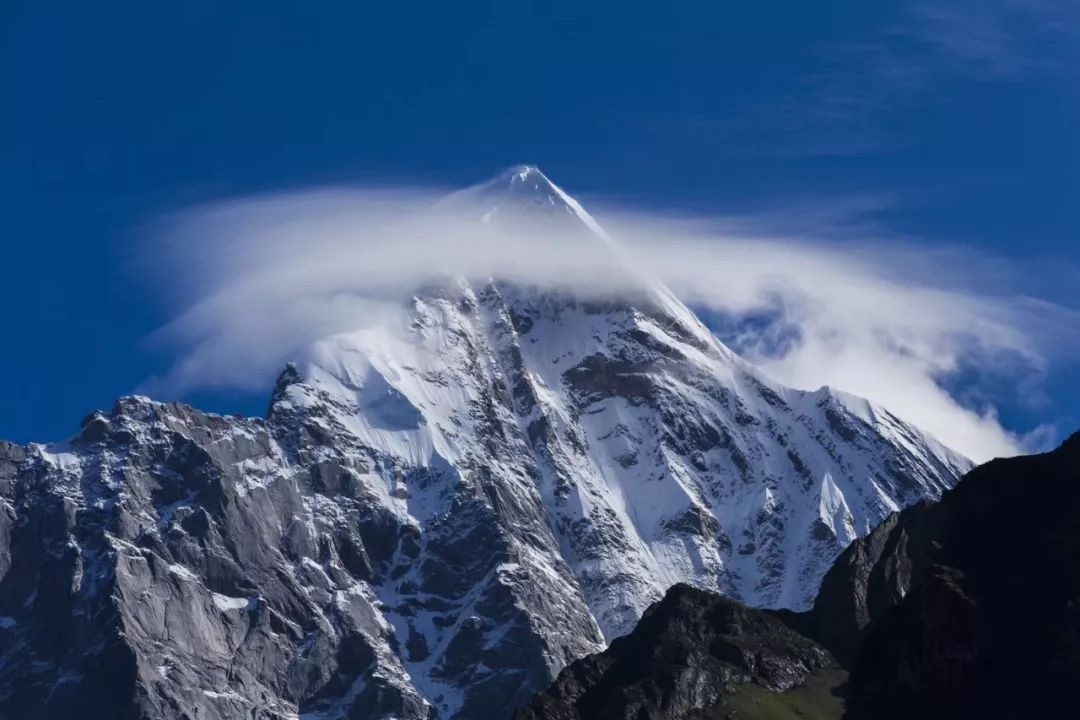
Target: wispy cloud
(997, 39)
(915, 54)
(254, 282)
(882, 321)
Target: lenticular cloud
(254, 282)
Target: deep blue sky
(961, 117)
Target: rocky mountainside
(966, 608)
(701, 655)
(437, 514)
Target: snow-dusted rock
(437, 515)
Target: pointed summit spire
(523, 191)
(520, 185)
(527, 181)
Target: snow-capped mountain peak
(615, 444)
(440, 512)
(523, 194)
(525, 184)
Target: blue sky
(946, 122)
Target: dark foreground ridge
(692, 650)
(967, 608)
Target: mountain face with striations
(437, 514)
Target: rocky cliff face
(436, 516)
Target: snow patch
(226, 603)
(834, 512)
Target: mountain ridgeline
(966, 608)
(439, 514)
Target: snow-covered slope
(438, 513)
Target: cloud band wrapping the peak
(257, 281)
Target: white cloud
(260, 279)
(888, 321)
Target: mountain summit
(524, 184)
(438, 513)
(522, 193)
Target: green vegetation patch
(817, 699)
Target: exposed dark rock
(599, 377)
(690, 656)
